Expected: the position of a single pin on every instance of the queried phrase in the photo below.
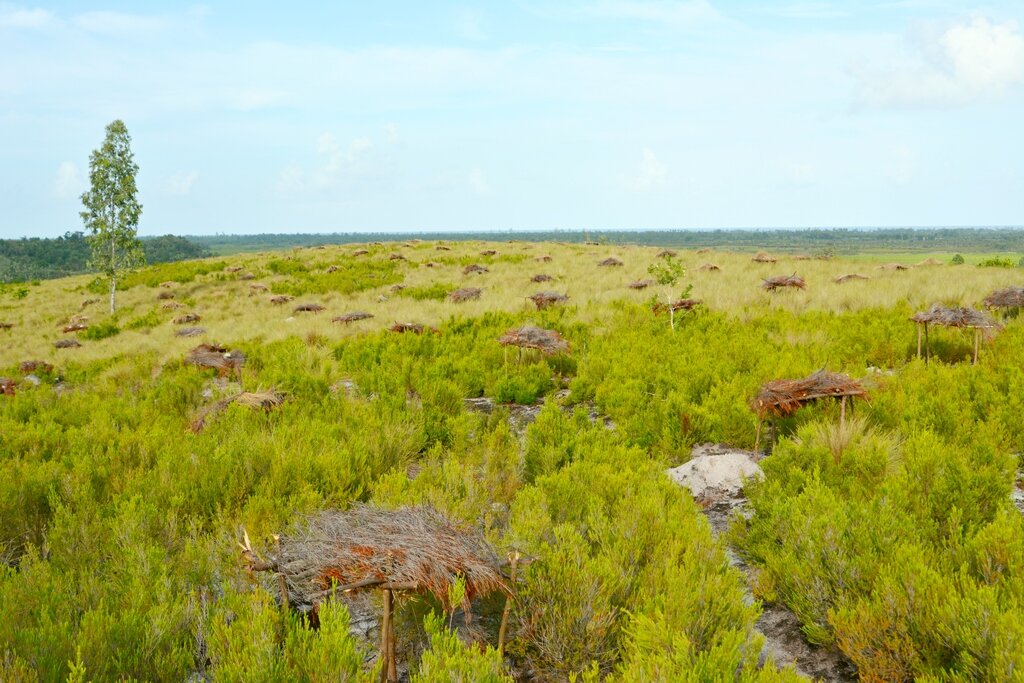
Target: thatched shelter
(6, 325)
(35, 366)
(360, 252)
(489, 252)
(258, 400)
(930, 262)
(763, 257)
(947, 316)
(666, 253)
(171, 305)
(66, 344)
(308, 308)
(187, 318)
(8, 387)
(1010, 297)
(783, 397)
(541, 277)
(893, 266)
(474, 268)
(546, 299)
(75, 326)
(233, 269)
(848, 277)
(464, 294)
(640, 284)
(414, 328)
(676, 306)
(547, 342)
(777, 282)
(165, 295)
(441, 247)
(217, 357)
(354, 316)
(410, 549)
(610, 262)
(281, 299)
(190, 332)
(543, 259)
(397, 257)
(257, 288)
(710, 267)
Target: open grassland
(892, 537)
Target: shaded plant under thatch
(474, 268)
(352, 317)
(783, 397)
(893, 266)
(711, 267)
(190, 332)
(1010, 297)
(545, 299)
(412, 548)
(8, 387)
(666, 253)
(308, 308)
(771, 284)
(258, 400)
(541, 277)
(763, 257)
(66, 344)
(414, 328)
(611, 261)
(464, 294)
(29, 366)
(281, 299)
(547, 342)
(640, 284)
(217, 357)
(187, 318)
(676, 306)
(848, 277)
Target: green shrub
(437, 291)
(99, 331)
(996, 262)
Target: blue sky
(405, 116)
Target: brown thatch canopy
(360, 252)
(464, 294)
(666, 253)
(532, 337)
(489, 252)
(544, 259)
(281, 299)
(956, 316)
(783, 397)
(163, 296)
(415, 328)
(1010, 297)
(611, 261)
(171, 305)
(546, 299)
(30, 366)
(190, 332)
(930, 262)
(781, 281)
(8, 387)
(187, 318)
(640, 284)
(763, 257)
(216, 357)
(676, 306)
(474, 268)
(352, 317)
(850, 276)
(710, 267)
(893, 266)
(308, 308)
(6, 326)
(258, 400)
(411, 548)
(541, 277)
(66, 344)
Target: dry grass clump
(464, 294)
(704, 250)
(640, 284)
(281, 299)
(666, 253)
(360, 252)
(1010, 297)
(441, 247)
(783, 397)
(86, 303)
(547, 342)
(187, 318)
(8, 387)
(190, 332)
(893, 266)
(397, 257)
(676, 306)
(771, 284)
(543, 259)
(233, 269)
(331, 269)
(66, 344)
(164, 296)
(75, 326)
(398, 288)
(352, 317)
(546, 299)
(710, 267)
(172, 305)
(541, 277)
(930, 262)
(489, 252)
(954, 316)
(168, 284)
(308, 308)
(414, 328)
(610, 262)
(29, 366)
(247, 276)
(431, 264)
(259, 400)
(474, 268)
(216, 357)
(410, 548)
(6, 326)
(802, 257)
(848, 277)
(763, 257)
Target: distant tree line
(42, 258)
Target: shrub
(100, 331)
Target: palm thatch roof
(783, 397)
(710, 267)
(66, 344)
(640, 284)
(474, 268)
(545, 299)
(8, 387)
(190, 332)
(1010, 297)
(666, 253)
(547, 342)
(308, 308)
(541, 277)
(30, 366)
(412, 548)
(893, 266)
(763, 257)
(464, 294)
(611, 261)
(281, 299)
(415, 328)
(954, 316)
(676, 306)
(187, 318)
(216, 357)
(352, 317)
(848, 277)
(258, 400)
(782, 281)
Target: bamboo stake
(757, 438)
(384, 644)
(392, 660)
(842, 412)
(927, 346)
(282, 584)
(977, 340)
(508, 604)
(919, 340)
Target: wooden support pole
(392, 659)
(977, 342)
(282, 584)
(385, 627)
(919, 340)
(514, 558)
(757, 437)
(842, 412)
(927, 346)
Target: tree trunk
(113, 288)
(113, 272)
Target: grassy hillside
(892, 538)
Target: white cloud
(807, 10)
(650, 175)
(965, 62)
(477, 180)
(901, 170)
(656, 11)
(337, 166)
(25, 18)
(181, 183)
(469, 26)
(118, 23)
(70, 181)
(391, 132)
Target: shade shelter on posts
(783, 397)
(961, 317)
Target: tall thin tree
(112, 208)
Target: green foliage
(181, 273)
(667, 271)
(957, 260)
(354, 276)
(451, 660)
(144, 322)
(98, 331)
(437, 291)
(996, 262)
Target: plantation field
(891, 535)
